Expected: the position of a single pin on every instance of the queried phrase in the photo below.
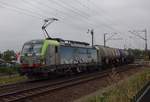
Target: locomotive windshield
(32, 47)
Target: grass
(10, 75)
(12, 79)
(122, 91)
(9, 70)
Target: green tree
(137, 53)
(9, 55)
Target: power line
(59, 10)
(32, 6)
(99, 22)
(64, 13)
(39, 15)
(21, 9)
(102, 10)
(66, 7)
(72, 10)
(46, 5)
(104, 24)
(76, 9)
(80, 3)
(84, 15)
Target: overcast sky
(21, 21)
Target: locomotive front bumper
(30, 70)
(42, 70)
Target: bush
(9, 70)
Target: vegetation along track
(29, 92)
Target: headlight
(37, 54)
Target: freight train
(42, 58)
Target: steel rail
(30, 92)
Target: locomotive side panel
(74, 55)
(50, 55)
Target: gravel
(75, 92)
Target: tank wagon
(46, 57)
(109, 56)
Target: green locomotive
(44, 57)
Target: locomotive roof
(62, 42)
(35, 41)
(70, 42)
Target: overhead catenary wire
(72, 10)
(66, 6)
(25, 11)
(43, 5)
(67, 15)
(22, 10)
(86, 15)
(46, 10)
(102, 10)
(48, 6)
(103, 13)
(62, 4)
(39, 15)
(104, 24)
(30, 5)
(57, 10)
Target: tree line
(8, 56)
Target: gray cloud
(105, 16)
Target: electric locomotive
(50, 56)
(44, 57)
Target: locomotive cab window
(31, 47)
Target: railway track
(15, 86)
(29, 92)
